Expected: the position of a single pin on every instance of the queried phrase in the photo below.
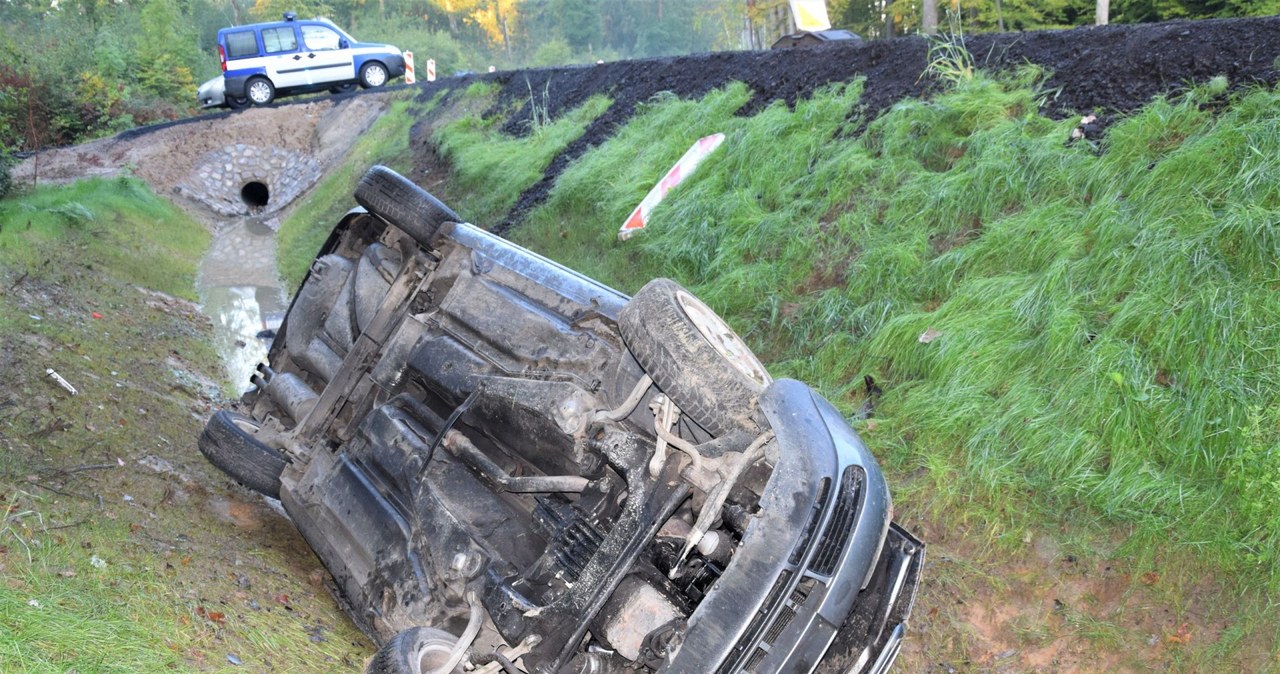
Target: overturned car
(509, 467)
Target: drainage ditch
(241, 291)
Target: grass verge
(490, 169)
(121, 549)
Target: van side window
(277, 40)
(241, 44)
(319, 38)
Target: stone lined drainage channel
(238, 284)
(240, 291)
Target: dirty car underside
(507, 466)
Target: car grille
(840, 528)
(775, 614)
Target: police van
(262, 61)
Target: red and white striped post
(408, 68)
(431, 70)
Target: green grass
(307, 227)
(78, 266)
(1108, 319)
(117, 224)
(490, 169)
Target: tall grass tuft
(491, 169)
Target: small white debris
(33, 603)
(128, 498)
(929, 335)
(231, 657)
(61, 382)
(34, 318)
(97, 562)
(1088, 119)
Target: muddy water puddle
(241, 292)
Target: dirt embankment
(1103, 70)
(171, 155)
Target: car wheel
(236, 103)
(693, 356)
(395, 199)
(343, 88)
(260, 91)
(373, 75)
(228, 443)
(417, 650)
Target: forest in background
(73, 70)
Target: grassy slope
(1105, 319)
(1107, 316)
(479, 157)
(307, 227)
(470, 145)
(171, 592)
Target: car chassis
(509, 467)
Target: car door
(284, 57)
(327, 55)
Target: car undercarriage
(509, 467)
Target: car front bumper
(212, 94)
(822, 582)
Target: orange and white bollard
(431, 70)
(408, 68)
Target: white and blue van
(264, 60)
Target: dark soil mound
(1106, 70)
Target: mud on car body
(507, 464)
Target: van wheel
(260, 91)
(343, 88)
(373, 75)
(236, 103)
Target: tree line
(72, 70)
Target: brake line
(621, 411)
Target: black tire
(229, 446)
(260, 91)
(716, 386)
(343, 88)
(395, 199)
(236, 103)
(373, 75)
(417, 650)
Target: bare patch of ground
(1072, 607)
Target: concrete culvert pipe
(255, 194)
